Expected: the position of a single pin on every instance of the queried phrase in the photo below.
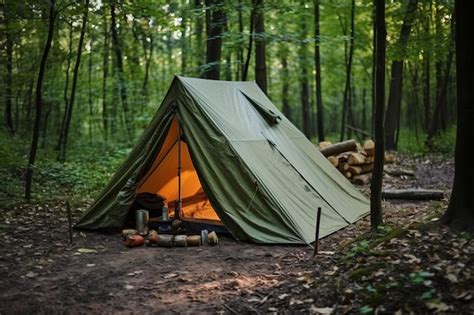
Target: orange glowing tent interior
(162, 179)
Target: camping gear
(193, 240)
(212, 238)
(165, 240)
(153, 237)
(141, 219)
(134, 241)
(128, 232)
(180, 241)
(244, 166)
(204, 234)
(149, 201)
(165, 215)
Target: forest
(82, 82)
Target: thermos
(141, 219)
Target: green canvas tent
(242, 164)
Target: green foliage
(419, 277)
(445, 141)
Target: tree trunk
(377, 174)
(347, 89)
(74, 82)
(8, 81)
(240, 50)
(304, 89)
(460, 212)
(120, 72)
(427, 75)
(65, 92)
(199, 28)
(374, 55)
(105, 74)
(260, 55)
(285, 88)
(245, 67)
(317, 62)
(183, 39)
(214, 24)
(395, 92)
(39, 101)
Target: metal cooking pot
(141, 219)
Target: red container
(134, 241)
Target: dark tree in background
(392, 118)
(317, 62)
(377, 174)
(460, 212)
(39, 101)
(260, 58)
(215, 21)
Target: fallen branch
(413, 194)
(400, 172)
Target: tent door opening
(173, 176)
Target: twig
(316, 242)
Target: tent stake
(316, 242)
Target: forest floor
(411, 264)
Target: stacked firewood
(353, 160)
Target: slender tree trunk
(260, 54)
(217, 19)
(246, 65)
(148, 59)
(105, 74)
(8, 81)
(395, 92)
(240, 51)
(304, 84)
(460, 212)
(374, 56)
(89, 83)
(39, 101)
(286, 108)
(65, 93)
(184, 38)
(317, 62)
(364, 110)
(377, 173)
(120, 72)
(74, 82)
(347, 89)
(199, 29)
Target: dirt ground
(42, 273)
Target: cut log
(369, 159)
(324, 144)
(342, 157)
(369, 147)
(347, 174)
(361, 169)
(362, 179)
(356, 159)
(413, 194)
(349, 145)
(343, 167)
(400, 172)
(334, 160)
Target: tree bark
(120, 72)
(395, 91)
(246, 65)
(240, 50)
(105, 74)
(215, 22)
(460, 212)
(285, 88)
(427, 75)
(347, 88)
(304, 84)
(317, 62)
(8, 80)
(39, 101)
(260, 54)
(377, 174)
(74, 83)
(199, 29)
(65, 92)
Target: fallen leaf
(86, 250)
(129, 287)
(90, 265)
(436, 305)
(282, 296)
(321, 310)
(170, 275)
(31, 274)
(452, 278)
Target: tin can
(141, 219)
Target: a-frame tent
(243, 165)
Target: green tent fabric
(263, 177)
